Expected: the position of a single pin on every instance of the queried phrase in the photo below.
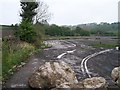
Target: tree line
(55, 30)
(104, 29)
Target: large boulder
(95, 83)
(53, 75)
(115, 74)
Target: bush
(26, 32)
(40, 34)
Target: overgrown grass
(13, 54)
(105, 45)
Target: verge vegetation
(24, 39)
(14, 52)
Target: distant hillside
(101, 26)
(104, 28)
(90, 29)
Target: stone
(75, 86)
(53, 75)
(95, 83)
(115, 74)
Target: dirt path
(79, 51)
(20, 78)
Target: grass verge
(13, 53)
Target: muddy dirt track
(72, 52)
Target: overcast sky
(66, 12)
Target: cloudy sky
(66, 12)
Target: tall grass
(13, 53)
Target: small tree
(26, 30)
(29, 31)
(28, 10)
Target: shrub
(40, 34)
(26, 32)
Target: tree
(26, 30)
(28, 10)
(80, 32)
(42, 15)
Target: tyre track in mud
(74, 52)
(84, 61)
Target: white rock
(53, 75)
(117, 48)
(115, 74)
(95, 82)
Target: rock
(53, 75)
(95, 83)
(75, 86)
(115, 74)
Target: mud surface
(100, 65)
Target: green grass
(14, 54)
(105, 45)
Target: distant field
(6, 30)
(80, 37)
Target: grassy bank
(13, 53)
